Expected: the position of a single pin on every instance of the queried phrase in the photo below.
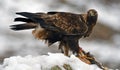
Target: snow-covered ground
(44, 62)
(22, 43)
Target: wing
(70, 23)
(66, 23)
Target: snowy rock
(45, 62)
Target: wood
(90, 59)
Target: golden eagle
(63, 27)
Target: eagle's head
(92, 16)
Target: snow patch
(44, 62)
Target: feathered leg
(68, 45)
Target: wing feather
(66, 23)
(70, 23)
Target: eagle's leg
(66, 51)
(68, 45)
(64, 48)
(72, 45)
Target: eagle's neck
(91, 20)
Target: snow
(44, 62)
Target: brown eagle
(63, 27)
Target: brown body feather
(67, 28)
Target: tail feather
(33, 17)
(36, 19)
(32, 21)
(23, 19)
(23, 26)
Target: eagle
(63, 27)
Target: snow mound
(44, 62)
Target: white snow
(44, 62)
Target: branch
(89, 59)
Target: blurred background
(104, 42)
